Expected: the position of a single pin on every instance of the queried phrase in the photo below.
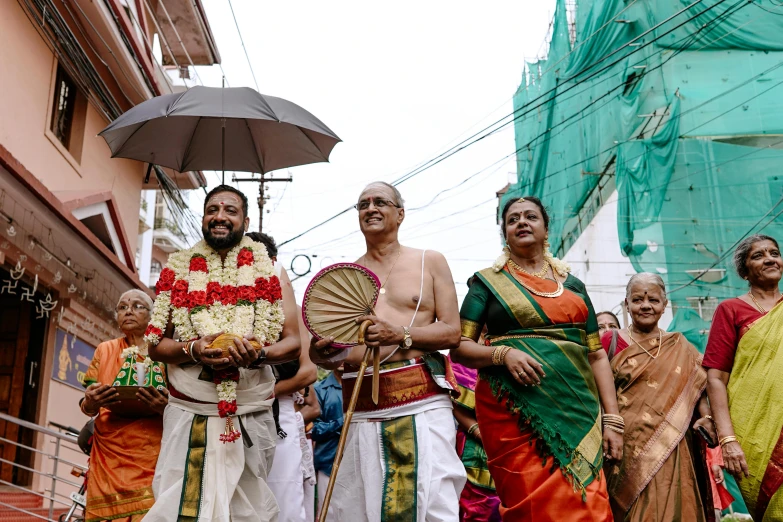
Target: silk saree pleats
(532, 487)
(124, 453)
(756, 405)
(657, 397)
(545, 448)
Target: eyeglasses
(135, 307)
(378, 202)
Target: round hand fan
(335, 298)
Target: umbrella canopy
(185, 131)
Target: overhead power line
(488, 130)
(231, 6)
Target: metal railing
(167, 224)
(49, 479)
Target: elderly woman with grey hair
(660, 384)
(124, 450)
(744, 361)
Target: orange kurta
(124, 451)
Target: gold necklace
(541, 274)
(383, 285)
(761, 308)
(660, 343)
(557, 293)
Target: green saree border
(190, 501)
(400, 456)
(525, 311)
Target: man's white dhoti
(201, 479)
(362, 480)
(285, 477)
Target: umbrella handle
(338, 457)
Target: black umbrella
(213, 128)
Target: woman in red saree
(659, 382)
(542, 379)
(124, 450)
(744, 361)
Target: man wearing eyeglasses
(411, 429)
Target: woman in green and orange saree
(660, 383)
(543, 379)
(744, 361)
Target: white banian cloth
(234, 485)
(285, 477)
(440, 473)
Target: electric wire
(239, 32)
(461, 146)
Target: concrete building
(161, 235)
(70, 215)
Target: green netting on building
(682, 113)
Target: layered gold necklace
(655, 342)
(541, 274)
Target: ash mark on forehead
(225, 198)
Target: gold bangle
(615, 429)
(726, 440)
(473, 428)
(503, 353)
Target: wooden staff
(338, 457)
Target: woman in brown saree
(659, 381)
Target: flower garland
(204, 296)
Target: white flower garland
(263, 319)
(212, 297)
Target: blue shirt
(327, 427)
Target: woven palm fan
(336, 297)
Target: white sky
(398, 85)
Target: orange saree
(124, 451)
(543, 443)
(657, 479)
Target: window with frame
(68, 113)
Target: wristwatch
(260, 360)
(407, 341)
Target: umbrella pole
(338, 457)
(223, 152)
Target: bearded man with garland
(218, 429)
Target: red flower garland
(198, 264)
(165, 281)
(245, 257)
